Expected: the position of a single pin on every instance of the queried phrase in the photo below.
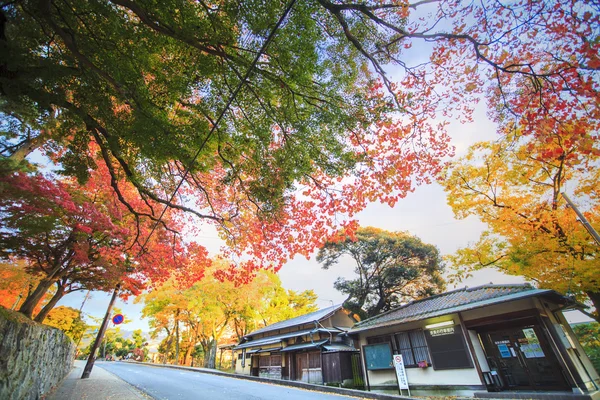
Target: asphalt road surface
(171, 384)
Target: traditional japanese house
(312, 348)
(512, 340)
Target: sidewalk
(101, 385)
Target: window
(270, 361)
(448, 348)
(413, 347)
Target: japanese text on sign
(400, 371)
(442, 331)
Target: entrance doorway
(308, 367)
(523, 358)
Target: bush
(589, 337)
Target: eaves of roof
(262, 342)
(318, 315)
(279, 338)
(304, 346)
(333, 347)
(372, 323)
(261, 350)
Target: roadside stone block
(34, 358)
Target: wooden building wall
(337, 367)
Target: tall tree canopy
(513, 185)
(317, 129)
(264, 302)
(212, 309)
(392, 268)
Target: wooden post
(90, 362)
(467, 340)
(364, 359)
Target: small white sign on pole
(401, 373)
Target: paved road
(174, 384)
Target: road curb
(302, 385)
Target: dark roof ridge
(277, 325)
(411, 303)
(499, 285)
(463, 289)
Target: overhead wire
(220, 117)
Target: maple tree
(163, 306)
(15, 283)
(68, 320)
(263, 301)
(514, 186)
(317, 129)
(392, 267)
(211, 309)
(77, 238)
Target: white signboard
(442, 331)
(401, 372)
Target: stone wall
(34, 358)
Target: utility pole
(84, 300)
(90, 362)
(582, 219)
(80, 310)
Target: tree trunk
(188, 353)
(177, 337)
(595, 298)
(60, 292)
(166, 358)
(26, 148)
(210, 356)
(35, 297)
(378, 307)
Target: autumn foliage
(514, 186)
(77, 238)
(212, 312)
(279, 136)
(15, 284)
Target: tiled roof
(338, 347)
(260, 342)
(450, 302)
(304, 346)
(301, 320)
(281, 337)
